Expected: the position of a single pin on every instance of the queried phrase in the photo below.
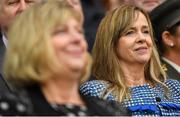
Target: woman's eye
(146, 32)
(129, 33)
(30, 2)
(81, 31)
(59, 32)
(12, 2)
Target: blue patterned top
(145, 100)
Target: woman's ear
(167, 39)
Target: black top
(2, 51)
(93, 14)
(3, 85)
(165, 16)
(172, 73)
(71, 109)
(94, 106)
(11, 104)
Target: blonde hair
(30, 57)
(106, 64)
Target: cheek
(121, 50)
(149, 42)
(177, 44)
(11, 11)
(57, 46)
(85, 45)
(126, 44)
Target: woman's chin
(76, 65)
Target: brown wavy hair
(106, 64)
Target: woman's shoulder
(174, 86)
(13, 105)
(171, 83)
(95, 83)
(93, 88)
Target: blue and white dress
(145, 100)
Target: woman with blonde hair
(47, 59)
(127, 66)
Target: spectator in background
(111, 4)
(8, 11)
(50, 60)
(166, 22)
(93, 13)
(127, 66)
(147, 5)
(76, 4)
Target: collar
(175, 66)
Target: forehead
(140, 18)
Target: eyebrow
(144, 27)
(11, 0)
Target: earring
(171, 45)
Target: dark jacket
(171, 71)
(2, 51)
(3, 85)
(93, 13)
(95, 106)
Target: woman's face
(69, 45)
(135, 46)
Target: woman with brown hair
(127, 66)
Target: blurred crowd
(90, 57)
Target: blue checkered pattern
(141, 96)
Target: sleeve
(174, 87)
(93, 88)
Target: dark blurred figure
(93, 13)
(166, 22)
(111, 4)
(8, 11)
(147, 5)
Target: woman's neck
(62, 91)
(134, 74)
(131, 81)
